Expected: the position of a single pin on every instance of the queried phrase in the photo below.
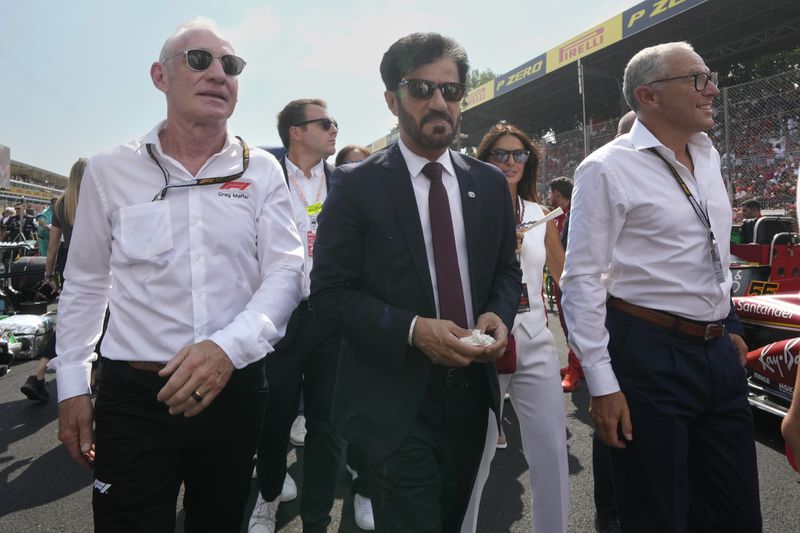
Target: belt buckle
(707, 336)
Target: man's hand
(790, 429)
(75, 420)
(740, 346)
(202, 368)
(491, 324)
(53, 286)
(440, 341)
(612, 419)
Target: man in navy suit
(416, 248)
(308, 353)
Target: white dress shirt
(634, 235)
(309, 187)
(220, 262)
(422, 185)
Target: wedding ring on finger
(197, 396)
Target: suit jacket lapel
(471, 207)
(328, 172)
(401, 193)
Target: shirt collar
(642, 138)
(151, 137)
(415, 162)
(293, 170)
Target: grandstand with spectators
(32, 185)
(758, 122)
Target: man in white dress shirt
(647, 301)
(195, 302)
(306, 359)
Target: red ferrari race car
(766, 287)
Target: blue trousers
(691, 466)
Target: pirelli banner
(633, 20)
(586, 43)
(478, 95)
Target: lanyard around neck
(300, 191)
(701, 213)
(201, 181)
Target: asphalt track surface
(42, 490)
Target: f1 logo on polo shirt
(238, 185)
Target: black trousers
(309, 356)
(144, 453)
(424, 486)
(691, 466)
(357, 460)
(604, 498)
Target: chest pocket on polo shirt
(145, 230)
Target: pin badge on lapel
(471, 194)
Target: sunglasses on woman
(501, 156)
(199, 60)
(424, 89)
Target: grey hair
(197, 23)
(647, 65)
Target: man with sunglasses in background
(415, 248)
(305, 360)
(195, 303)
(646, 295)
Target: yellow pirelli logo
(586, 43)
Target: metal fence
(757, 134)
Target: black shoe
(35, 390)
(607, 523)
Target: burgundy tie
(448, 276)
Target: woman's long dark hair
(526, 188)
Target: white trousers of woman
(535, 390)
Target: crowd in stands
(763, 133)
(41, 181)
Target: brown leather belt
(684, 326)
(147, 366)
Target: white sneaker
(289, 491)
(363, 513)
(263, 518)
(502, 443)
(298, 432)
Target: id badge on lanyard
(524, 302)
(716, 263)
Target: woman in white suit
(535, 387)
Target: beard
(438, 139)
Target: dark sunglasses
(424, 89)
(501, 156)
(199, 60)
(326, 123)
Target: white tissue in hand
(478, 339)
